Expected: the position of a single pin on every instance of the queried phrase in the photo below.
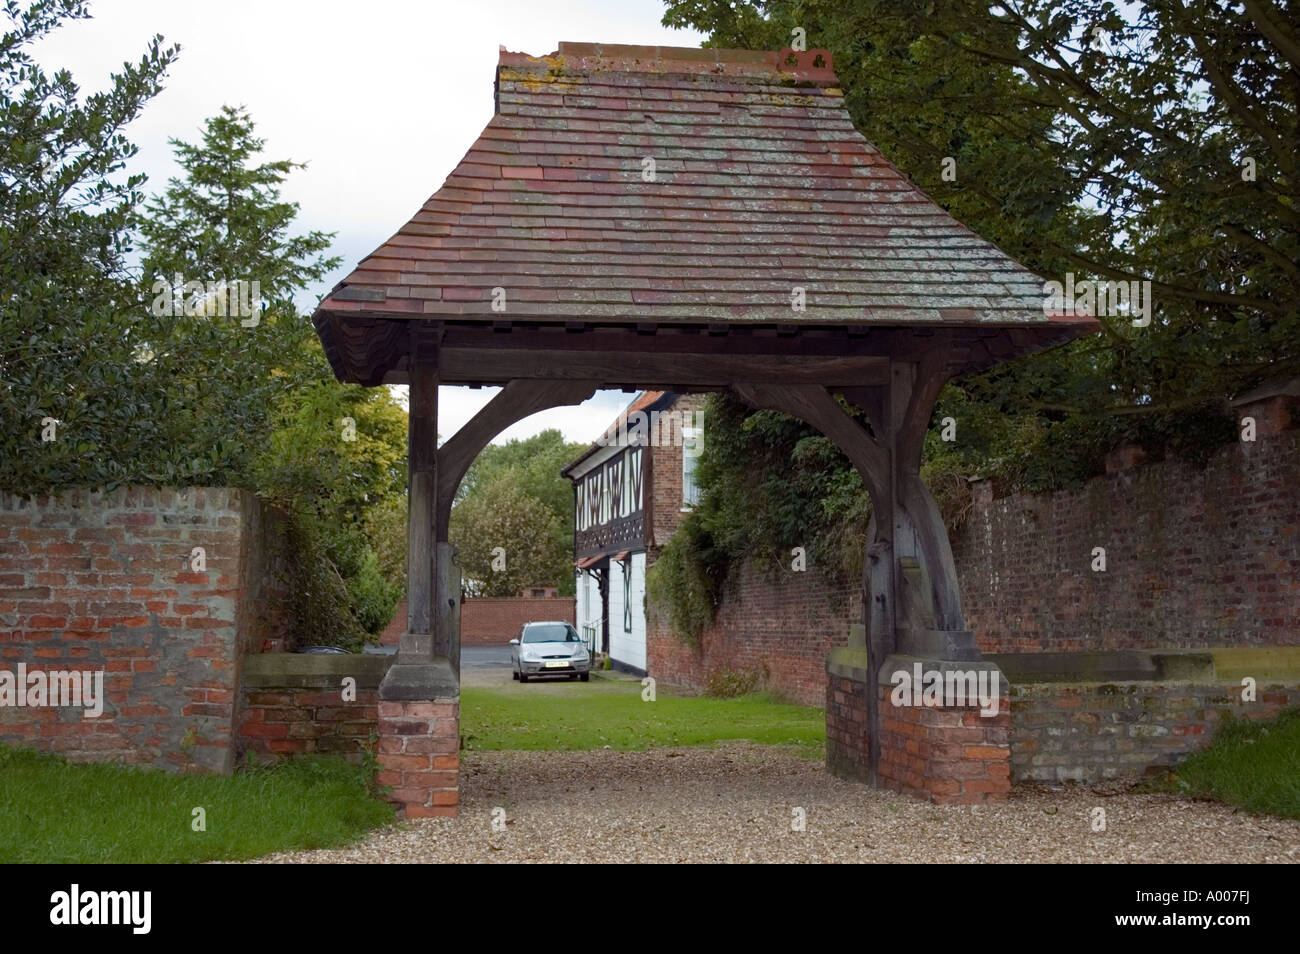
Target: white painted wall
(628, 647)
(588, 605)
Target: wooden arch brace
(519, 399)
(906, 520)
(433, 474)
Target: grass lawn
(571, 716)
(53, 812)
(1253, 765)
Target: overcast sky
(381, 98)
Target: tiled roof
(639, 403)
(761, 185)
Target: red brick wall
(848, 737)
(99, 581)
(1196, 557)
(1091, 732)
(952, 756)
(666, 478)
(419, 757)
(781, 624)
(299, 721)
(948, 755)
(488, 622)
(1057, 731)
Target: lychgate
(690, 220)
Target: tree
(222, 226)
(533, 465)
(1149, 141)
(506, 540)
(70, 318)
(135, 393)
(250, 389)
(337, 463)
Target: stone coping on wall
(433, 681)
(1192, 666)
(1277, 663)
(313, 670)
(849, 662)
(898, 661)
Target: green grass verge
(54, 812)
(1253, 765)
(563, 716)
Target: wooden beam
(932, 538)
(878, 617)
(919, 531)
(371, 347)
(928, 379)
(422, 482)
(652, 369)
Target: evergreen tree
(71, 321)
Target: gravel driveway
(735, 803)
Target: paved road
(479, 665)
(485, 665)
(485, 658)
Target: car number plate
(556, 663)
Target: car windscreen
(550, 633)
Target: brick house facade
(631, 489)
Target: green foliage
(1116, 160)
(223, 222)
(769, 483)
(144, 395)
(680, 585)
(384, 525)
(315, 459)
(261, 393)
(319, 602)
(499, 514)
(535, 464)
(514, 496)
(55, 813)
(374, 597)
(729, 684)
(347, 504)
(70, 319)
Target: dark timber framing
(550, 206)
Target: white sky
(381, 98)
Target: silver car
(549, 649)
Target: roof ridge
(814, 65)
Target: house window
(691, 437)
(627, 595)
